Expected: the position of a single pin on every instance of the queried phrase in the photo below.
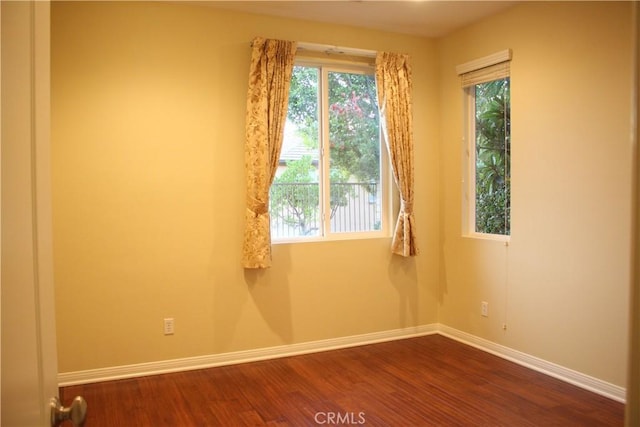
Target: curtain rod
(336, 50)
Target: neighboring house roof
(293, 149)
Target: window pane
(295, 194)
(354, 147)
(493, 157)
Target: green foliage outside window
(493, 157)
(354, 136)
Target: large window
(330, 181)
(487, 203)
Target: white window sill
(492, 237)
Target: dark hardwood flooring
(425, 381)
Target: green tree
(353, 119)
(354, 134)
(295, 197)
(295, 194)
(303, 103)
(493, 151)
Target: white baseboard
(236, 357)
(581, 380)
(209, 361)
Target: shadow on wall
(269, 289)
(235, 287)
(404, 276)
(443, 277)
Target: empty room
(473, 263)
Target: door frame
(29, 355)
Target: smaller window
(487, 202)
(491, 157)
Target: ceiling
(429, 18)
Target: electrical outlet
(169, 326)
(484, 309)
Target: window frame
(325, 66)
(482, 67)
(469, 181)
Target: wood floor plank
(426, 381)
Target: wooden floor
(426, 381)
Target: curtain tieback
(257, 207)
(406, 209)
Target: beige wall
(561, 286)
(148, 104)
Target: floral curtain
(267, 101)
(393, 80)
